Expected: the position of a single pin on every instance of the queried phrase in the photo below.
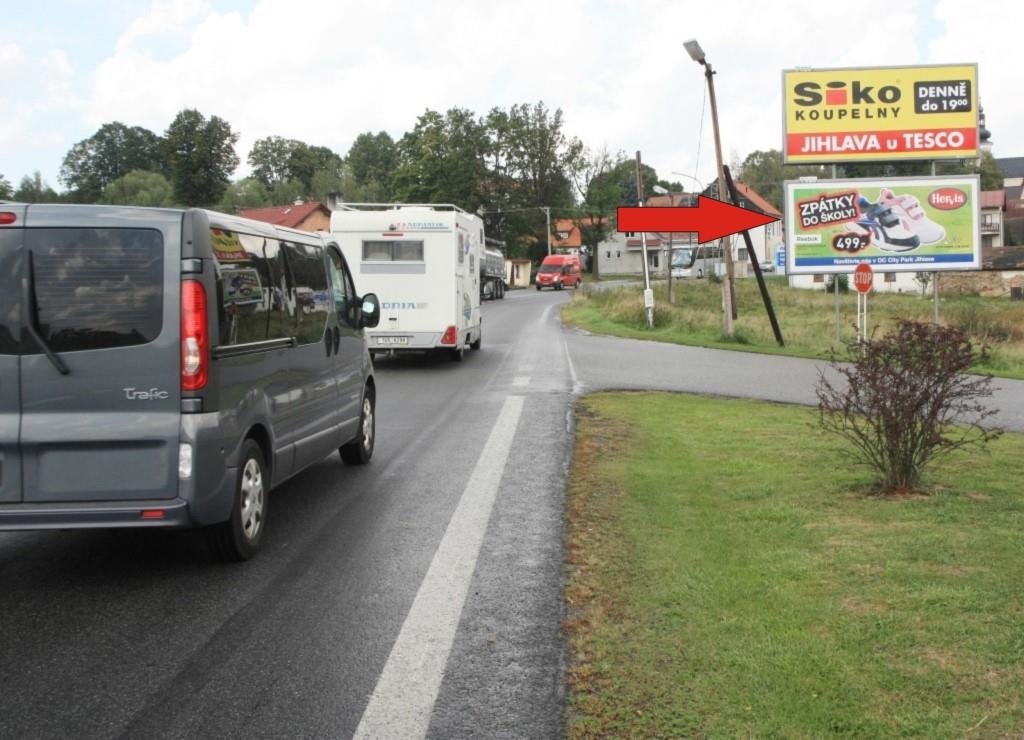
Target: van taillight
(449, 336)
(195, 340)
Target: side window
(341, 288)
(309, 290)
(282, 323)
(462, 248)
(250, 299)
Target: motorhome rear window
(97, 288)
(392, 251)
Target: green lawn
(806, 317)
(728, 577)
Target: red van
(559, 271)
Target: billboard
(868, 114)
(897, 224)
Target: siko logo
(839, 93)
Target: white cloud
(324, 72)
(988, 33)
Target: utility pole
(547, 217)
(728, 288)
(648, 293)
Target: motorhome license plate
(392, 340)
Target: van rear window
(97, 288)
(10, 292)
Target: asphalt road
(418, 596)
(138, 634)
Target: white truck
(423, 261)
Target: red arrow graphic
(711, 219)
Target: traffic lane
(506, 673)
(611, 363)
(138, 633)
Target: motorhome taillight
(195, 340)
(7, 218)
(449, 336)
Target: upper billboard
(868, 114)
(899, 224)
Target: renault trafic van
(167, 368)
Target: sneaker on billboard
(886, 227)
(912, 216)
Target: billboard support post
(835, 289)
(935, 298)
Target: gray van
(167, 368)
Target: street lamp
(728, 301)
(699, 183)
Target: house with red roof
(302, 216)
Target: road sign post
(863, 280)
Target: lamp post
(728, 299)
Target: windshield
(682, 258)
(550, 268)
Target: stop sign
(863, 277)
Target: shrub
(905, 400)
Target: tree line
(505, 165)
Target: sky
(323, 72)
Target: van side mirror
(369, 316)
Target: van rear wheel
(239, 537)
(360, 450)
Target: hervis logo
(947, 199)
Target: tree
(905, 400)
(201, 154)
(112, 152)
(243, 194)
(764, 172)
(372, 160)
(620, 180)
(34, 189)
(6, 191)
(271, 159)
(442, 160)
(539, 158)
(601, 195)
(140, 188)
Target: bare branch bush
(906, 400)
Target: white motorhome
(423, 260)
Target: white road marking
(544, 316)
(521, 381)
(577, 386)
(402, 702)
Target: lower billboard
(901, 224)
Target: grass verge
(727, 577)
(806, 317)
